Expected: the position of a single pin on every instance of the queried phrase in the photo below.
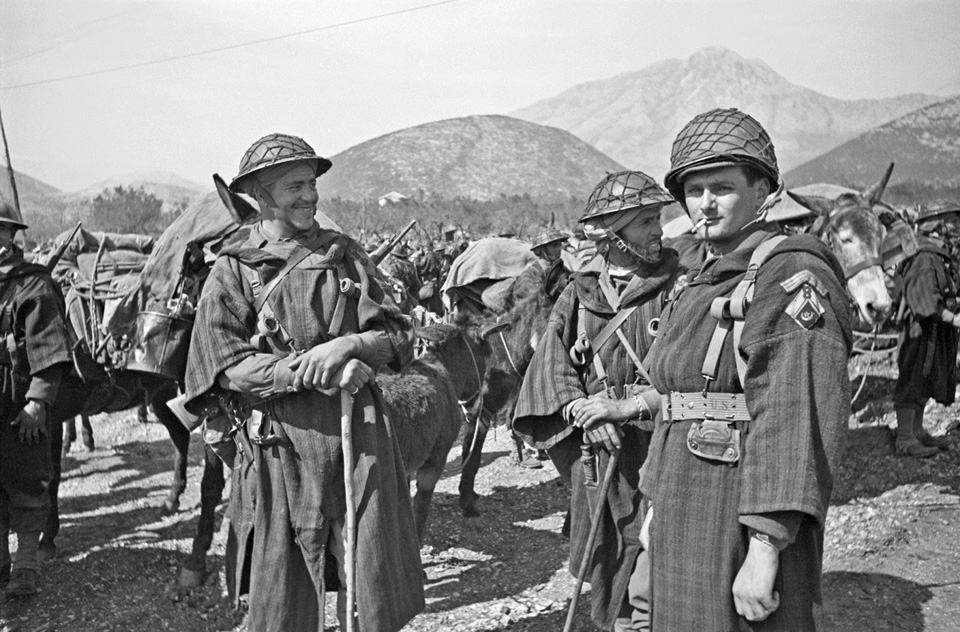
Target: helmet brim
(673, 181)
(12, 223)
(323, 165)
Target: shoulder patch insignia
(805, 308)
(804, 277)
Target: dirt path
(892, 548)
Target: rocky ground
(892, 557)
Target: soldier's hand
(316, 368)
(353, 375)
(753, 592)
(606, 435)
(32, 421)
(598, 409)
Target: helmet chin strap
(626, 248)
(768, 204)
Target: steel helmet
(717, 138)
(276, 149)
(622, 191)
(9, 217)
(547, 236)
(938, 209)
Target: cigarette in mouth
(698, 225)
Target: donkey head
(460, 347)
(855, 232)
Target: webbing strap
(336, 323)
(731, 313)
(612, 327)
(297, 257)
(633, 356)
(6, 307)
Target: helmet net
(274, 149)
(721, 135)
(547, 236)
(624, 190)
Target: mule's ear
(819, 205)
(874, 193)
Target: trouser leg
(5, 559)
(28, 507)
(634, 615)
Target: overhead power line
(221, 49)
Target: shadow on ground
(872, 601)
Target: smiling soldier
(754, 408)
(289, 313)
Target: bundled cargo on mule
(97, 270)
(481, 278)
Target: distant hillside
(27, 187)
(635, 116)
(925, 145)
(479, 157)
(37, 198)
(167, 186)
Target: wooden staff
(592, 538)
(13, 180)
(346, 433)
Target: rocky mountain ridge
(634, 116)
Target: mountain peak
(634, 116)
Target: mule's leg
(211, 492)
(86, 431)
(68, 436)
(180, 437)
(475, 434)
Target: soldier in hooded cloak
(585, 394)
(289, 314)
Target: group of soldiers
(696, 410)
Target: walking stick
(594, 528)
(346, 433)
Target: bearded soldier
(290, 313)
(33, 361)
(755, 398)
(926, 359)
(585, 393)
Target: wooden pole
(350, 544)
(13, 180)
(591, 538)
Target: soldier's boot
(23, 579)
(907, 442)
(925, 438)
(23, 583)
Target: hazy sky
(355, 76)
